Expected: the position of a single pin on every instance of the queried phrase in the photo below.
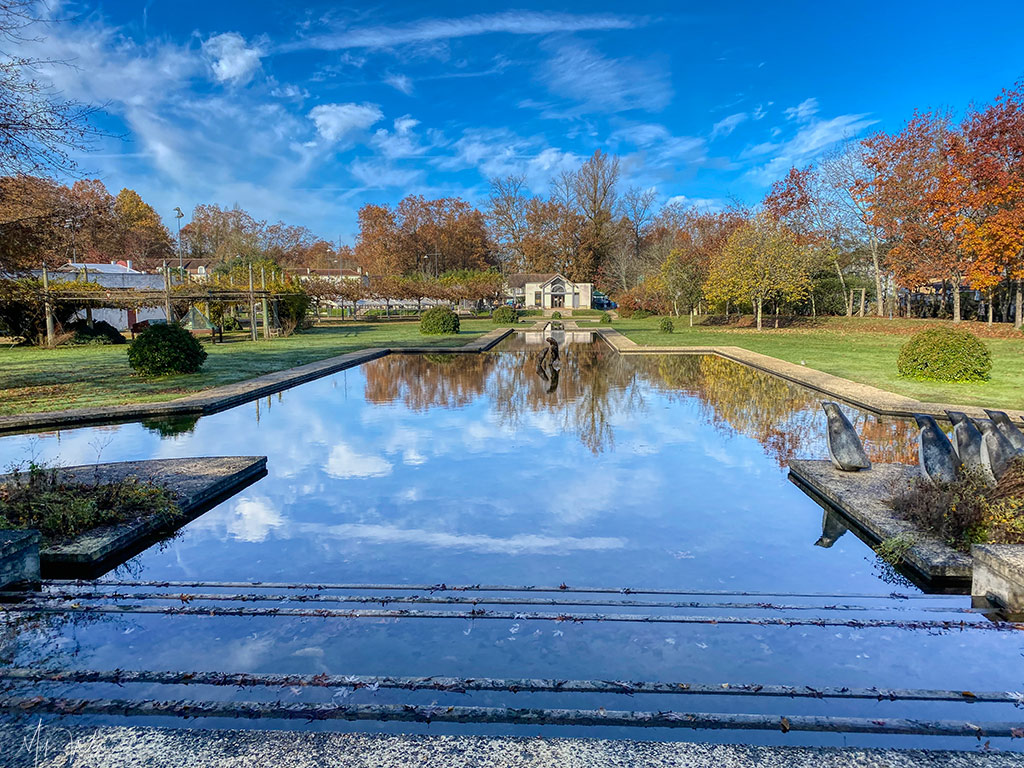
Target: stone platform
(863, 499)
(197, 484)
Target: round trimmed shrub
(606, 319)
(438, 321)
(505, 315)
(164, 349)
(666, 326)
(944, 354)
(556, 315)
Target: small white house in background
(549, 291)
(117, 274)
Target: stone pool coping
(219, 399)
(861, 497)
(196, 483)
(134, 746)
(862, 396)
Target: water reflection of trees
(596, 385)
(784, 418)
(428, 381)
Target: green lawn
(860, 349)
(34, 379)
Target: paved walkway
(121, 747)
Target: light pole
(179, 216)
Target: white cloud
(401, 142)
(711, 204)
(231, 59)
(803, 111)
(500, 152)
(400, 82)
(374, 174)
(336, 121)
(659, 145)
(810, 141)
(344, 463)
(727, 125)
(429, 30)
(602, 84)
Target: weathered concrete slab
(121, 747)
(196, 484)
(999, 574)
(863, 498)
(19, 557)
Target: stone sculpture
(1008, 428)
(996, 451)
(966, 439)
(844, 447)
(935, 455)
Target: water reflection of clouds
(516, 544)
(247, 518)
(345, 463)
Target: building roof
(520, 279)
(112, 268)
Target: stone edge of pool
(209, 401)
(116, 746)
(228, 396)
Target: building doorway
(557, 300)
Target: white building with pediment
(549, 291)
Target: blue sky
(306, 111)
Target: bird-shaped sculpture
(935, 455)
(1008, 428)
(966, 439)
(844, 447)
(996, 451)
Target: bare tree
(638, 207)
(847, 173)
(39, 130)
(506, 215)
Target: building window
(536, 298)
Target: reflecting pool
(623, 472)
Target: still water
(625, 472)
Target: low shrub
(505, 316)
(439, 321)
(100, 333)
(666, 326)
(38, 497)
(944, 354)
(165, 349)
(605, 319)
(556, 315)
(967, 511)
(230, 323)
